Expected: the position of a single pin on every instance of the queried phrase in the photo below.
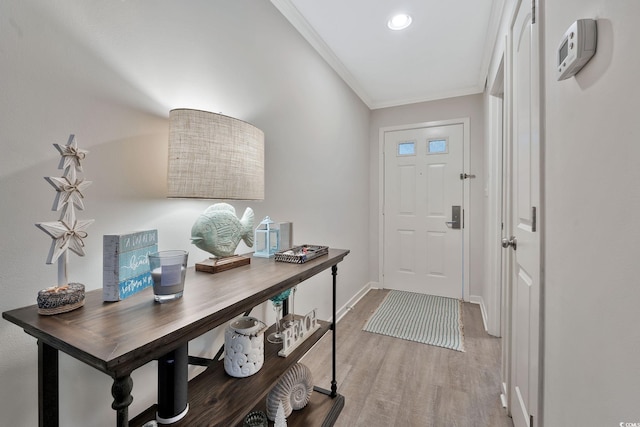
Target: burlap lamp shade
(212, 156)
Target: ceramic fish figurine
(218, 230)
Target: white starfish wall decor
(68, 232)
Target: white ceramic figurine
(218, 230)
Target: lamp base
(216, 265)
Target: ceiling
(443, 54)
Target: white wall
(591, 341)
(453, 108)
(110, 72)
(591, 290)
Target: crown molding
(293, 15)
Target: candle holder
(168, 270)
(277, 337)
(291, 321)
(267, 239)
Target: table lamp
(212, 156)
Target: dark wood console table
(117, 338)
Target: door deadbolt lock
(455, 218)
(513, 242)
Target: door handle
(513, 242)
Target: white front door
(524, 235)
(423, 210)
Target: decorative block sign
(297, 333)
(125, 263)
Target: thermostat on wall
(577, 47)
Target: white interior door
(525, 233)
(423, 240)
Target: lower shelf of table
(321, 411)
(216, 399)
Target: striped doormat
(422, 318)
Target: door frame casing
(465, 122)
(495, 203)
(535, 409)
(499, 313)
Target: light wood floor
(391, 382)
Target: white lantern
(267, 239)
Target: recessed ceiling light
(399, 22)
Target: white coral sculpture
(281, 420)
(68, 232)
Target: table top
(118, 337)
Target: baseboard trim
(503, 400)
(503, 396)
(476, 299)
(342, 311)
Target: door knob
(513, 242)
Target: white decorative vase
(244, 347)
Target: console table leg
(48, 412)
(334, 384)
(121, 392)
(173, 383)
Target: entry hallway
(392, 382)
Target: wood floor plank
(392, 382)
